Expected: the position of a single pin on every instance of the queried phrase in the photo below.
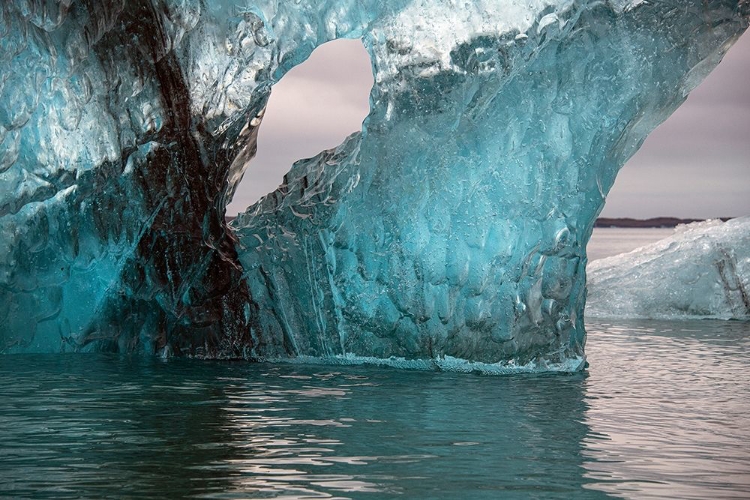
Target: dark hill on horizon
(627, 222)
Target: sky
(695, 165)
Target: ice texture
(453, 226)
(702, 271)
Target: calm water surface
(662, 412)
(607, 241)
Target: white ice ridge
(702, 271)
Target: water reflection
(669, 406)
(77, 425)
(660, 413)
(424, 435)
(279, 454)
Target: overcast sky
(697, 164)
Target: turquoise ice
(452, 226)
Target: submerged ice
(703, 270)
(453, 226)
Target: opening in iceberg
(314, 107)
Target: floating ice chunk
(703, 270)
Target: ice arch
(454, 225)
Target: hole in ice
(314, 107)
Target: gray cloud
(696, 164)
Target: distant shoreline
(626, 222)
(654, 222)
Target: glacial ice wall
(702, 271)
(453, 224)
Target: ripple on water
(660, 413)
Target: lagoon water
(608, 241)
(662, 411)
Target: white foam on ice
(445, 363)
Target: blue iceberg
(452, 226)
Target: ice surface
(703, 270)
(455, 223)
(452, 226)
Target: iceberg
(702, 271)
(452, 226)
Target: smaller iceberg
(702, 271)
